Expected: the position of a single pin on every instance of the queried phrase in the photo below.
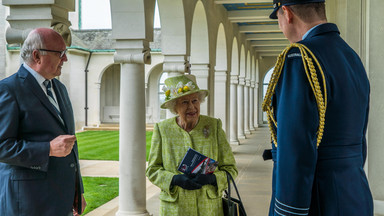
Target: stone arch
(200, 50)
(152, 94)
(173, 27)
(235, 58)
(248, 66)
(199, 36)
(242, 63)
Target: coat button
(72, 165)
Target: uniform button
(72, 165)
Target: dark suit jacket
(329, 180)
(31, 182)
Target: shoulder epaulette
(310, 71)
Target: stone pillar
(3, 48)
(132, 151)
(233, 139)
(220, 97)
(256, 105)
(240, 108)
(175, 65)
(252, 105)
(375, 136)
(201, 71)
(246, 107)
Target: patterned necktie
(48, 85)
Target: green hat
(179, 86)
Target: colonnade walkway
(253, 181)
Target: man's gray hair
(33, 42)
(172, 104)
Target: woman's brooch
(206, 131)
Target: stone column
(375, 136)
(256, 106)
(201, 71)
(240, 108)
(175, 65)
(246, 107)
(252, 105)
(27, 15)
(132, 184)
(233, 139)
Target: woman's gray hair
(33, 42)
(172, 104)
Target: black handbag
(232, 206)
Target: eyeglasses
(62, 53)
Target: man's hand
(83, 205)
(62, 145)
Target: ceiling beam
(249, 16)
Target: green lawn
(103, 145)
(99, 190)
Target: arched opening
(110, 95)
(266, 80)
(220, 82)
(200, 51)
(161, 96)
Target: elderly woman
(183, 194)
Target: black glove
(205, 179)
(267, 154)
(185, 182)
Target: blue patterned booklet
(196, 163)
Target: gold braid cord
(308, 58)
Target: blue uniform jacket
(328, 180)
(31, 182)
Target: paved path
(254, 180)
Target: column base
(253, 129)
(379, 207)
(124, 213)
(247, 132)
(234, 142)
(242, 136)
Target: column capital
(176, 63)
(247, 82)
(253, 84)
(241, 81)
(132, 52)
(234, 79)
(27, 15)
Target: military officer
(317, 104)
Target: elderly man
(39, 166)
(317, 103)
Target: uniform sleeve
(155, 171)
(226, 161)
(14, 150)
(297, 119)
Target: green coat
(169, 145)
